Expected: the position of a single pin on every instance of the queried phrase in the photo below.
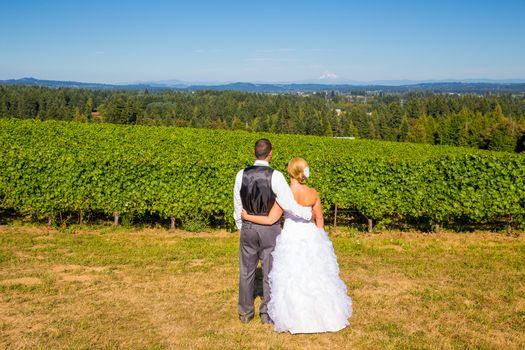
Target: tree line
(495, 122)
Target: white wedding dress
(307, 295)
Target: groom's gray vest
(256, 191)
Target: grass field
(115, 288)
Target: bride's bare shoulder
(304, 195)
(312, 194)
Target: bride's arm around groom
(281, 189)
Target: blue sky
(268, 41)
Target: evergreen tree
(501, 137)
(404, 128)
(351, 130)
(78, 116)
(328, 129)
(237, 124)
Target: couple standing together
(302, 291)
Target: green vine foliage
(55, 167)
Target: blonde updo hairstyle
(296, 168)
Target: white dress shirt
(280, 188)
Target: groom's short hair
(262, 148)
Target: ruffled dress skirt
(307, 295)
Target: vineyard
(54, 168)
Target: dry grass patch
(23, 281)
(158, 289)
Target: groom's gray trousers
(257, 242)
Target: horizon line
(339, 81)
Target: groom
(256, 190)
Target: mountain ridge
(451, 86)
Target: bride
(306, 293)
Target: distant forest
(494, 122)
